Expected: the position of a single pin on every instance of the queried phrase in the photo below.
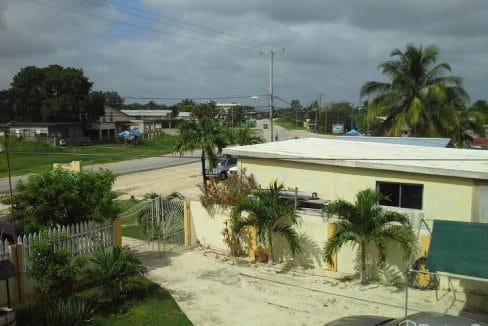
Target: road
(123, 167)
(284, 134)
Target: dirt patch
(183, 179)
(213, 289)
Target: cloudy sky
(219, 48)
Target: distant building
(70, 132)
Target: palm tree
(364, 222)
(418, 96)
(204, 134)
(270, 215)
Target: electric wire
(215, 31)
(141, 26)
(247, 44)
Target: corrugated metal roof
(147, 113)
(413, 141)
(462, 163)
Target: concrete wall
(446, 198)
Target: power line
(212, 30)
(212, 34)
(141, 27)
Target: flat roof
(463, 163)
(147, 113)
(414, 141)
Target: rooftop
(147, 113)
(414, 141)
(464, 163)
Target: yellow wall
(446, 198)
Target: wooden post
(16, 257)
(117, 225)
(331, 230)
(187, 222)
(296, 197)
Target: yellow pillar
(187, 222)
(424, 279)
(331, 230)
(253, 241)
(117, 224)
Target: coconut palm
(203, 134)
(364, 222)
(418, 95)
(270, 215)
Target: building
(114, 121)
(428, 182)
(70, 132)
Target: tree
(61, 197)
(419, 95)
(244, 136)
(295, 108)
(5, 106)
(363, 222)
(204, 134)
(54, 94)
(113, 99)
(270, 215)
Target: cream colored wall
(446, 198)
(207, 229)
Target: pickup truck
(225, 166)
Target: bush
(74, 311)
(111, 269)
(53, 268)
(61, 197)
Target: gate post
(117, 230)
(187, 222)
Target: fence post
(187, 222)
(117, 229)
(16, 257)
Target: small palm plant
(270, 215)
(364, 222)
(112, 268)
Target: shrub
(112, 268)
(52, 267)
(74, 311)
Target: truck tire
(223, 175)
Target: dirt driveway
(213, 289)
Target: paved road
(123, 167)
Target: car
(421, 318)
(265, 126)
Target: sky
(220, 48)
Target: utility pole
(317, 111)
(271, 108)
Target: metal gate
(161, 223)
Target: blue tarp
(353, 132)
(135, 133)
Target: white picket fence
(81, 238)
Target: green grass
(130, 227)
(31, 157)
(159, 308)
(287, 124)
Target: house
(428, 182)
(108, 125)
(71, 132)
(149, 120)
(114, 121)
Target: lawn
(159, 308)
(128, 212)
(30, 156)
(287, 124)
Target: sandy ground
(213, 289)
(182, 178)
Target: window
(401, 195)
